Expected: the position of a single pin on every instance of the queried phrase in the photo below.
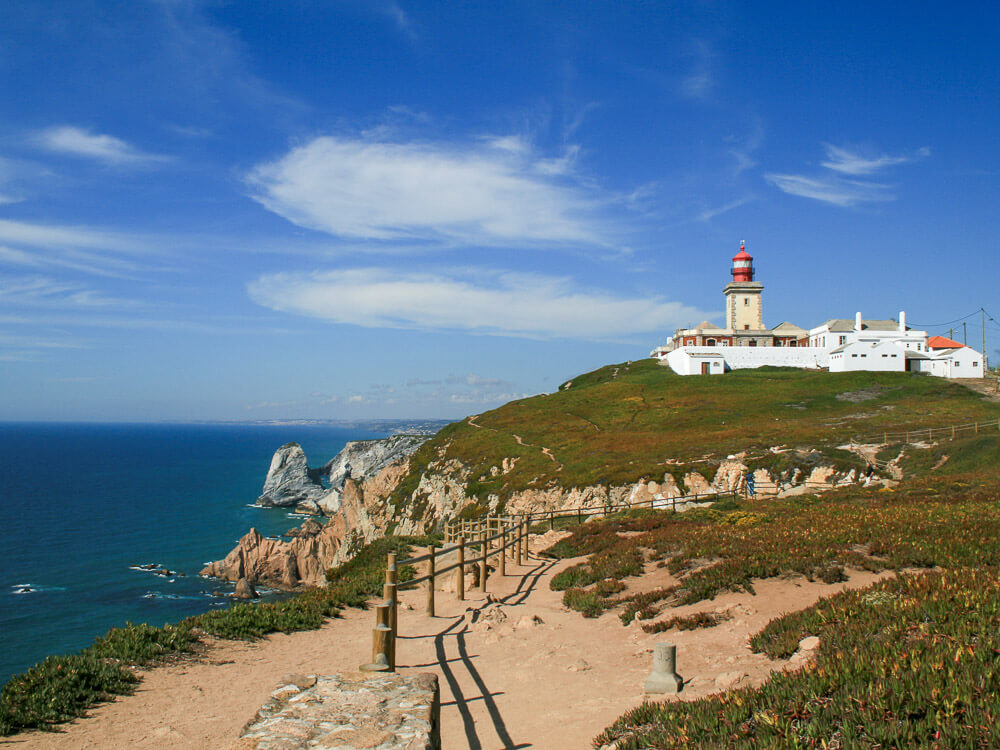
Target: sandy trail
(505, 683)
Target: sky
(344, 209)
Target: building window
(854, 355)
(746, 328)
(746, 300)
(885, 355)
(710, 342)
(975, 364)
(843, 339)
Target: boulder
(245, 590)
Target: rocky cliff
(355, 506)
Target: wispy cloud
(43, 291)
(855, 163)
(839, 188)
(711, 213)
(492, 191)
(830, 189)
(698, 81)
(68, 139)
(504, 304)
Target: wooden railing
(492, 536)
(928, 433)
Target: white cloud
(853, 163)
(830, 189)
(491, 192)
(508, 304)
(838, 189)
(67, 139)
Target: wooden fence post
(552, 520)
(520, 542)
(430, 582)
(579, 515)
(953, 432)
(482, 561)
(503, 551)
(674, 501)
(885, 438)
(977, 428)
(380, 637)
(460, 580)
(389, 594)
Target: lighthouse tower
(744, 311)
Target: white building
(841, 344)
(837, 332)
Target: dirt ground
(516, 668)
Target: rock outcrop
(356, 508)
(289, 479)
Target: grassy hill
(626, 422)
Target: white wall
(864, 356)
(966, 363)
(686, 361)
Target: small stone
(578, 666)
(809, 643)
(528, 621)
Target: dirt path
(547, 452)
(516, 670)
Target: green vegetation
(64, 687)
(688, 622)
(621, 424)
(909, 662)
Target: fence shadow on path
(454, 667)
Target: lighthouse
(744, 309)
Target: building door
(704, 368)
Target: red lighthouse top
(742, 265)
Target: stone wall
(349, 711)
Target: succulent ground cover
(622, 423)
(64, 687)
(910, 662)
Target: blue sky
(369, 208)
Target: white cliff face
(366, 458)
(289, 480)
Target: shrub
(586, 602)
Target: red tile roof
(942, 342)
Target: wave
(33, 588)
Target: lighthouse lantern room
(742, 264)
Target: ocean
(82, 506)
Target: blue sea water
(82, 504)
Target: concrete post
(664, 678)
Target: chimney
(902, 321)
(857, 321)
